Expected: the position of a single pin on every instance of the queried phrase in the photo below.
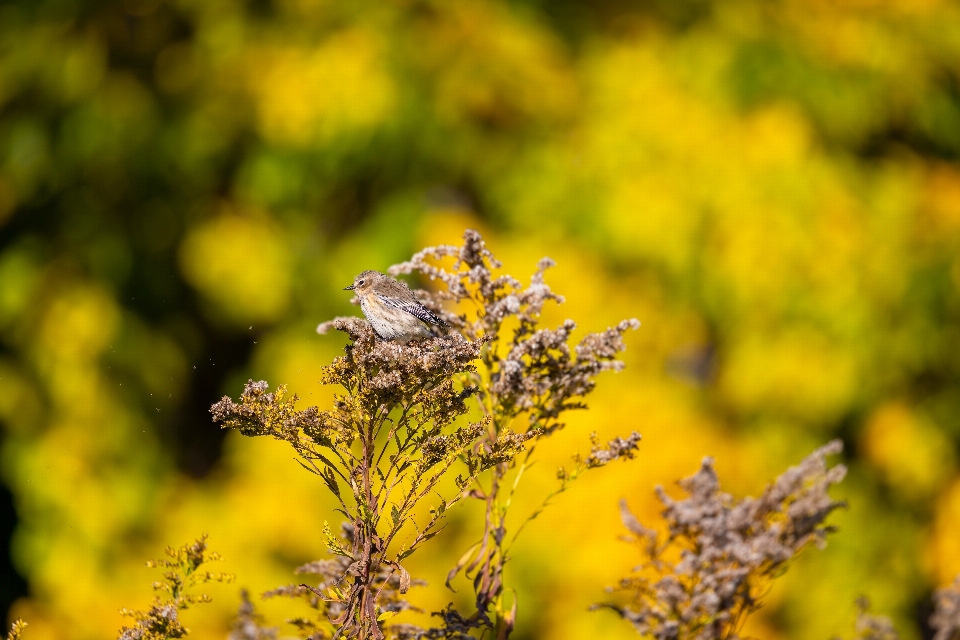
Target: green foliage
(720, 555)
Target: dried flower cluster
(721, 554)
(381, 450)
(873, 627)
(162, 620)
(527, 373)
(395, 432)
(945, 620)
(533, 371)
(616, 449)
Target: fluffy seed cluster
(946, 615)
(160, 621)
(388, 370)
(873, 627)
(530, 376)
(377, 374)
(944, 621)
(616, 449)
(728, 549)
(538, 375)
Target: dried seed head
(728, 549)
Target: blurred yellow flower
(337, 88)
(943, 552)
(240, 264)
(78, 324)
(914, 455)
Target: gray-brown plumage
(392, 309)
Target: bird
(392, 310)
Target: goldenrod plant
(396, 430)
(720, 555)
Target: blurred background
(772, 188)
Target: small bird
(392, 309)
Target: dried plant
(945, 619)
(247, 624)
(528, 375)
(329, 600)
(162, 620)
(396, 431)
(721, 554)
(381, 450)
(394, 434)
(870, 626)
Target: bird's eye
(359, 283)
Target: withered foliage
(162, 620)
(945, 619)
(381, 450)
(721, 554)
(247, 625)
(395, 432)
(328, 598)
(870, 626)
(528, 375)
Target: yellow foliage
(241, 264)
(492, 65)
(304, 95)
(914, 455)
(942, 203)
(798, 372)
(78, 325)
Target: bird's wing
(414, 307)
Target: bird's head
(365, 282)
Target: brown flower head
(728, 549)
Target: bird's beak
(350, 288)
